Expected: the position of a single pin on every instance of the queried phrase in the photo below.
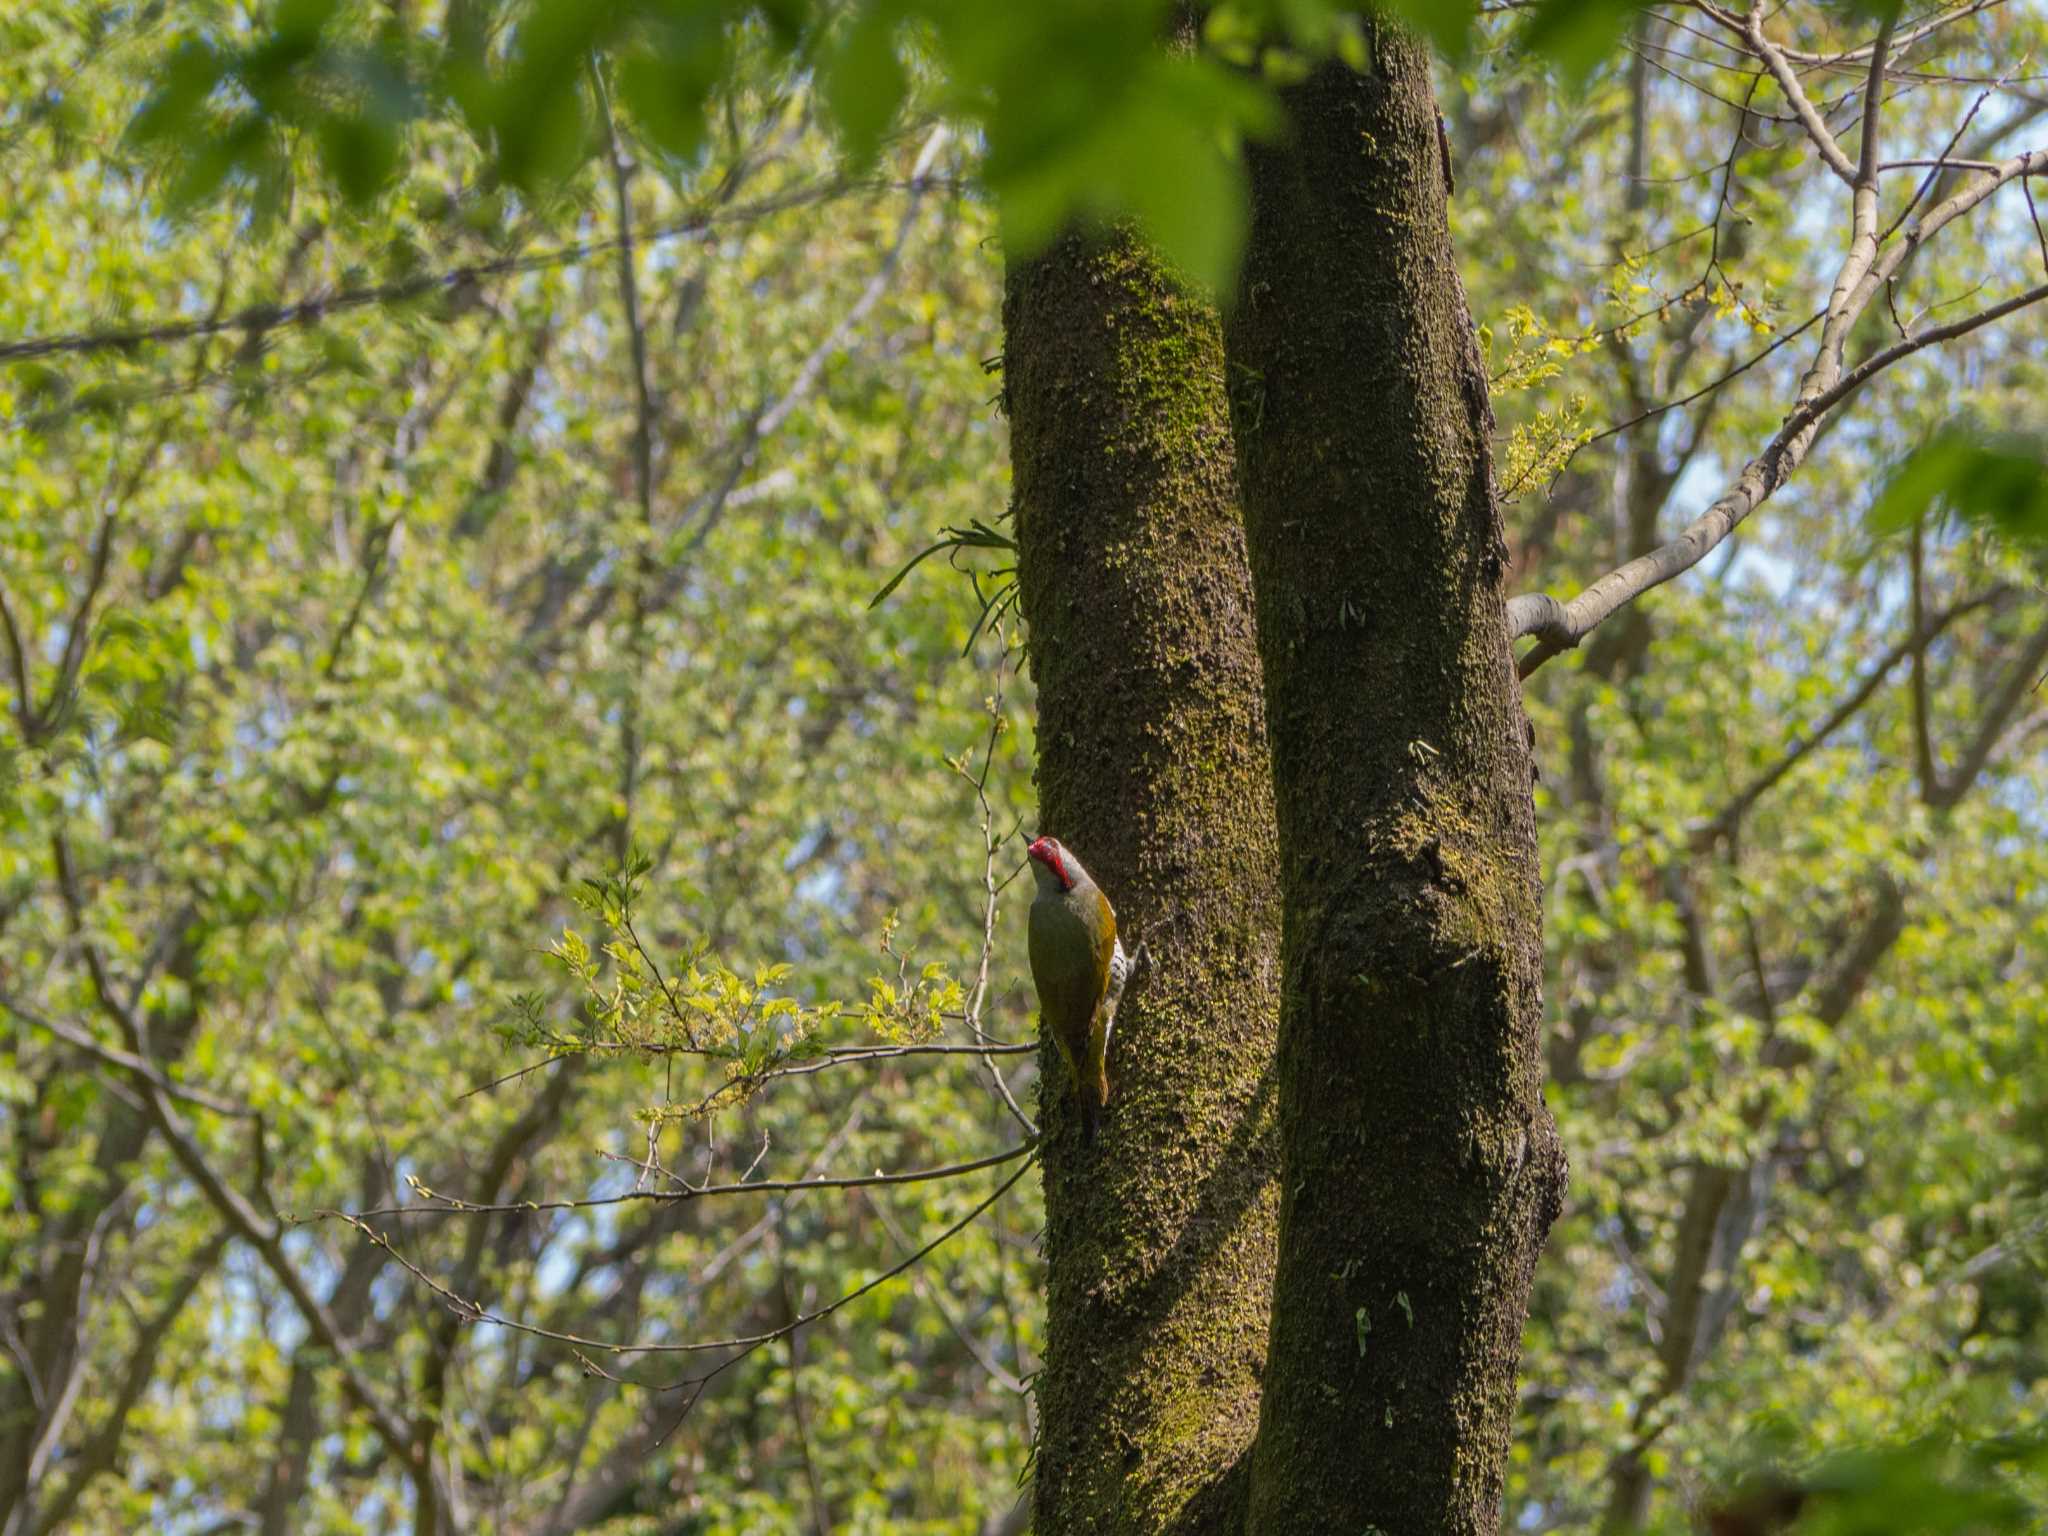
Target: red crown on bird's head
(1047, 851)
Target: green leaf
(664, 101)
(1997, 480)
(1579, 35)
(537, 110)
(186, 79)
(865, 82)
(360, 151)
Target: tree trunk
(1153, 769)
(1421, 1166)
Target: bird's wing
(1105, 946)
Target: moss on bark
(1153, 769)
(1421, 1167)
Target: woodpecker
(1079, 968)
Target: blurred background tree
(384, 554)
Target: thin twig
(1723, 823)
(472, 1312)
(128, 1062)
(977, 997)
(319, 306)
(449, 1205)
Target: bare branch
(2028, 163)
(1724, 822)
(1940, 165)
(1559, 626)
(1795, 93)
(448, 1205)
(17, 657)
(319, 306)
(472, 1312)
(836, 1056)
(114, 1056)
(1873, 101)
(1870, 367)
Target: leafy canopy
(1082, 111)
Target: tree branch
(114, 1056)
(1795, 94)
(448, 1205)
(471, 1311)
(2020, 679)
(1923, 743)
(242, 1217)
(99, 1454)
(319, 306)
(1723, 823)
(1559, 626)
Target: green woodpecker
(1079, 969)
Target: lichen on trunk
(1153, 769)
(1420, 1165)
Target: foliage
(1999, 481)
(707, 1010)
(338, 647)
(1127, 129)
(1879, 1227)
(349, 720)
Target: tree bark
(1421, 1168)
(1153, 768)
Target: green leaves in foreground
(1933, 1486)
(1998, 481)
(1082, 108)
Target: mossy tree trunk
(1421, 1168)
(1153, 768)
